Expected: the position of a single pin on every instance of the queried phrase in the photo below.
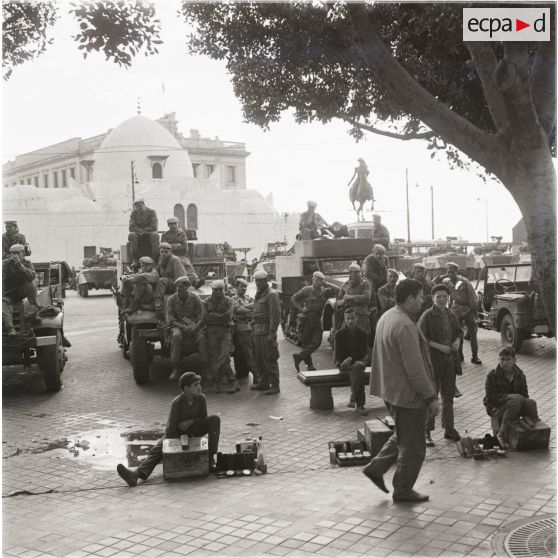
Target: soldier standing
(310, 222)
(143, 224)
(184, 315)
(310, 302)
(380, 235)
(169, 269)
(243, 311)
(267, 316)
(464, 304)
(10, 237)
(17, 284)
(217, 318)
(419, 274)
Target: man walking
(267, 316)
(310, 302)
(184, 315)
(351, 350)
(402, 377)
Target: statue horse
(361, 190)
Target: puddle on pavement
(104, 449)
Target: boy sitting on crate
(188, 415)
(507, 398)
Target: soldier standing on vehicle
(380, 234)
(464, 304)
(218, 322)
(17, 284)
(10, 237)
(143, 224)
(169, 269)
(310, 302)
(179, 242)
(184, 315)
(267, 316)
(310, 222)
(375, 267)
(137, 289)
(243, 311)
(357, 293)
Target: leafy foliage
(24, 32)
(119, 29)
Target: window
(45, 180)
(209, 170)
(192, 217)
(22, 181)
(179, 214)
(55, 179)
(73, 172)
(157, 170)
(36, 181)
(231, 174)
(64, 178)
(196, 169)
(28, 181)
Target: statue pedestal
(361, 229)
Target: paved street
(62, 496)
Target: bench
(320, 383)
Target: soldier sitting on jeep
(143, 224)
(169, 269)
(17, 284)
(137, 289)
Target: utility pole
(408, 214)
(432, 208)
(133, 181)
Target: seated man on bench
(351, 350)
(188, 415)
(507, 398)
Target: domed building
(79, 193)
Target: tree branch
(404, 137)
(417, 101)
(485, 62)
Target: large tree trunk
(532, 181)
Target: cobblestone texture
(62, 503)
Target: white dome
(255, 206)
(143, 141)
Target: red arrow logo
(519, 24)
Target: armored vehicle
(98, 272)
(509, 303)
(40, 338)
(330, 256)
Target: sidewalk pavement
(56, 504)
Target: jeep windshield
(515, 274)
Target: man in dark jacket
(351, 350)
(375, 267)
(10, 237)
(169, 268)
(17, 284)
(188, 415)
(143, 224)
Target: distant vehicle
(509, 303)
(98, 272)
(40, 340)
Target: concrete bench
(320, 383)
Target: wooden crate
(521, 438)
(182, 464)
(376, 434)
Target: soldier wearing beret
(17, 284)
(310, 302)
(169, 268)
(137, 289)
(10, 237)
(143, 224)
(184, 315)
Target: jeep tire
(51, 364)
(83, 290)
(139, 357)
(509, 334)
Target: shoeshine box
(376, 434)
(520, 438)
(179, 463)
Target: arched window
(179, 214)
(157, 170)
(192, 217)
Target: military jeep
(509, 303)
(40, 339)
